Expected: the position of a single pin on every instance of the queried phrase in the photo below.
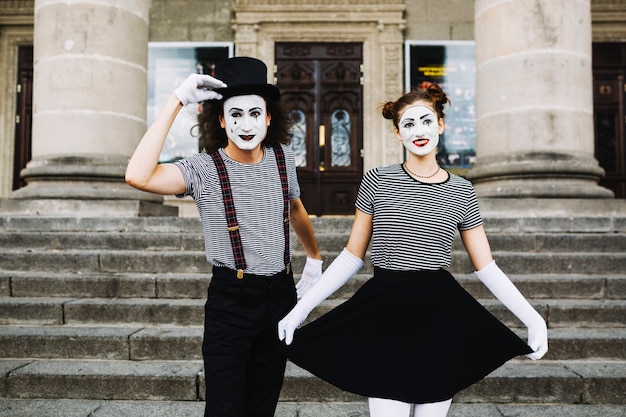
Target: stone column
(535, 134)
(89, 99)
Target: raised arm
(144, 171)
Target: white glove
(340, 270)
(502, 287)
(311, 273)
(197, 88)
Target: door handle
(322, 143)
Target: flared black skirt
(416, 337)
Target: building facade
(538, 87)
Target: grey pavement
(101, 408)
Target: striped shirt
(258, 199)
(414, 223)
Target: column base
(83, 190)
(81, 178)
(82, 186)
(558, 209)
(538, 175)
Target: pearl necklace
(422, 176)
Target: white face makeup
(419, 130)
(246, 121)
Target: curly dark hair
(213, 136)
(429, 92)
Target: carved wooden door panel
(321, 87)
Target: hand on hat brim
(197, 88)
(210, 83)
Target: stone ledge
(552, 207)
(84, 208)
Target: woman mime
(411, 337)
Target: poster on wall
(452, 65)
(169, 64)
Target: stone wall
(191, 20)
(439, 20)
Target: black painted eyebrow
(238, 109)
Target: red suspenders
(231, 215)
(282, 170)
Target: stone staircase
(103, 317)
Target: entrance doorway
(24, 113)
(321, 87)
(609, 109)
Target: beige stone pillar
(535, 134)
(89, 99)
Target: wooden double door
(321, 85)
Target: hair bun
(389, 111)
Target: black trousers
(243, 364)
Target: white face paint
(419, 130)
(246, 121)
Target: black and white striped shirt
(258, 199)
(414, 223)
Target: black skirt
(416, 337)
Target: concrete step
(28, 283)
(57, 310)
(140, 343)
(104, 261)
(495, 220)
(111, 408)
(183, 261)
(555, 286)
(105, 285)
(517, 381)
(189, 312)
(331, 242)
(103, 240)
(152, 224)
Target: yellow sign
(433, 71)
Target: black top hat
(245, 75)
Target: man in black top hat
(245, 186)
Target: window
(169, 64)
(452, 65)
